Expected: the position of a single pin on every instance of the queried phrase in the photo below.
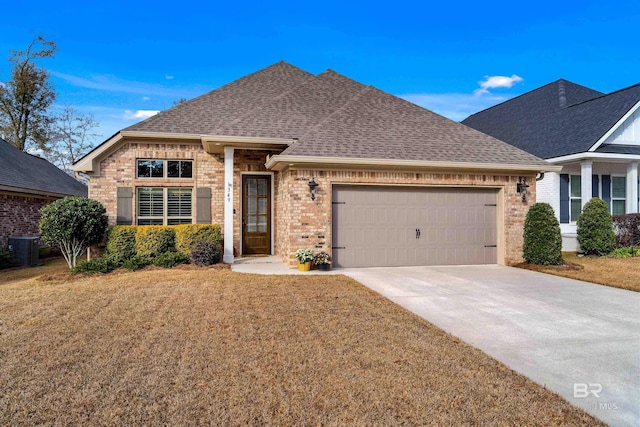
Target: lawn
(616, 272)
(203, 346)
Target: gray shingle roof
(560, 118)
(28, 173)
(333, 116)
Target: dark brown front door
(256, 214)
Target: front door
(256, 214)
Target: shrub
(136, 262)
(632, 251)
(98, 265)
(595, 228)
(6, 259)
(205, 253)
(153, 240)
(187, 235)
(121, 242)
(627, 229)
(171, 259)
(73, 224)
(542, 237)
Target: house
(27, 183)
(284, 159)
(595, 137)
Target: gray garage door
(396, 226)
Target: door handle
(417, 233)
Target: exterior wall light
(522, 187)
(313, 185)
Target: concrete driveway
(579, 339)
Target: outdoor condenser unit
(25, 250)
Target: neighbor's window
(618, 195)
(151, 168)
(575, 196)
(164, 206)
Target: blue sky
(122, 60)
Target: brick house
(284, 159)
(27, 183)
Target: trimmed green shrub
(542, 237)
(627, 229)
(171, 259)
(121, 242)
(73, 224)
(632, 251)
(187, 235)
(595, 228)
(206, 253)
(153, 240)
(6, 259)
(136, 262)
(98, 265)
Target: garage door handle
(417, 233)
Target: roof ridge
(605, 95)
(354, 98)
(269, 102)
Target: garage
(380, 226)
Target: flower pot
(304, 266)
(324, 267)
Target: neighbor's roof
(558, 119)
(330, 115)
(24, 173)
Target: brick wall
(19, 215)
(304, 223)
(119, 170)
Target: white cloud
(493, 82)
(114, 84)
(139, 114)
(168, 77)
(455, 106)
(145, 98)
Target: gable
(628, 133)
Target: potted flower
(323, 261)
(304, 257)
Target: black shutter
(606, 189)
(564, 198)
(203, 205)
(124, 207)
(594, 186)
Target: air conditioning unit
(25, 250)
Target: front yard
(616, 272)
(206, 346)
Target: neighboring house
(595, 137)
(28, 183)
(397, 184)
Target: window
(618, 195)
(575, 197)
(164, 206)
(147, 168)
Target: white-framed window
(158, 168)
(575, 197)
(164, 206)
(618, 195)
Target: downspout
(79, 177)
(540, 176)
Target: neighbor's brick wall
(20, 215)
(119, 170)
(304, 223)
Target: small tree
(73, 224)
(542, 238)
(595, 228)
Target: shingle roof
(560, 118)
(331, 115)
(30, 173)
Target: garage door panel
(376, 226)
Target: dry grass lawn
(201, 346)
(616, 272)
